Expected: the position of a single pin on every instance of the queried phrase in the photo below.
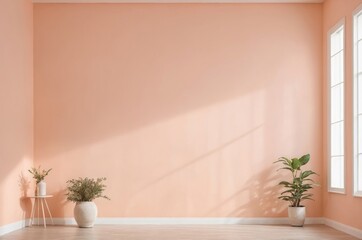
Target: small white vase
(41, 188)
(296, 216)
(85, 214)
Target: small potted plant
(39, 176)
(297, 189)
(83, 191)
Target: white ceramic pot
(41, 188)
(85, 214)
(296, 216)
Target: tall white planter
(296, 216)
(85, 214)
(41, 188)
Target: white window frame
(337, 26)
(356, 12)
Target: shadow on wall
(262, 192)
(13, 186)
(200, 176)
(24, 201)
(58, 201)
(199, 158)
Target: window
(357, 101)
(336, 108)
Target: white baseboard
(344, 228)
(56, 221)
(13, 227)
(183, 221)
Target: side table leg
(32, 214)
(38, 199)
(42, 208)
(46, 204)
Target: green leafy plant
(85, 189)
(38, 174)
(297, 189)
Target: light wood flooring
(178, 232)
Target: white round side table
(40, 201)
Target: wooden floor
(178, 232)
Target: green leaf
(284, 160)
(285, 183)
(287, 168)
(296, 164)
(306, 174)
(287, 191)
(304, 159)
(287, 160)
(279, 160)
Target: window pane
(359, 55)
(337, 69)
(336, 41)
(359, 24)
(359, 132)
(337, 172)
(359, 93)
(359, 173)
(337, 139)
(337, 103)
(337, 109)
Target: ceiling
(178, 1)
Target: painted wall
(183, 107)
(350, 213)
(16, 107)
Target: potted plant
(83, 191)
(297, 189)
(39, 176)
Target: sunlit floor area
(175, 232)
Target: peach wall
(183, 107)
(350, 213)
(16, 107)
